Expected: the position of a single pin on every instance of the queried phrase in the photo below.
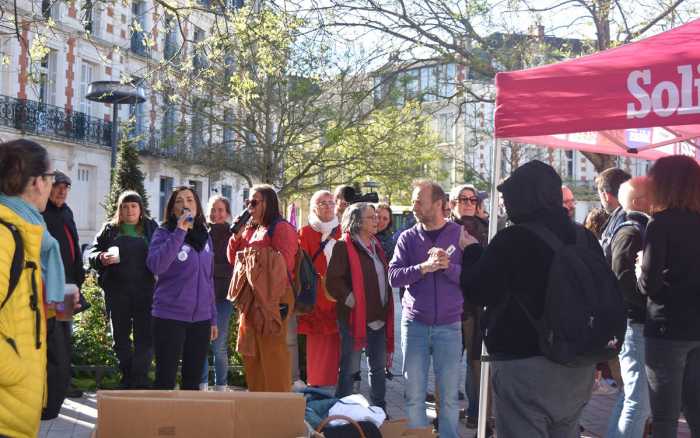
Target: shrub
(92, 339)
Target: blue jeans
(444, 342)
(632, 407)
(220, 345)
(350, 361)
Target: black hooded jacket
(61, 225)
(517, 261)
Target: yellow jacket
(22, 373)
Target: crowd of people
(171, 290)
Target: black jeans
(58, 352)
(174, 340)
(130, 312)
(673, 371)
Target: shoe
(472, 422)
(74, 392)
(462, 413)
(221, 388)
(204, 387)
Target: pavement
(78, 416)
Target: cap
(61, 178)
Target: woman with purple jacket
(184, 311)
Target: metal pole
(115, 128)
(485, 379)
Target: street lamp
(116, 93)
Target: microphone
(240, 221)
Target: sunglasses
(252, 203)
(471, 200)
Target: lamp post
(116, 93)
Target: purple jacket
(185, 286)
(434, 298)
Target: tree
(414, 31)
(126, 176)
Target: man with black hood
(533, 396)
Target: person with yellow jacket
(25, 184)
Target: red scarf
(358, 315)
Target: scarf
(358, 315)
(52, 271)
(196, 237)
(327, 231)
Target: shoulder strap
(545, 234)
(17, 261)
(271, 228)
(324, 243)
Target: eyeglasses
(471, 200)
(326, 204)
(252, 203)
(50, 175)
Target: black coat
(110, 277)
(671, 276)
(223, 270)
(61, 225)
(517, 261)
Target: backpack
(16, 267)
(304, 281)
(584, 319)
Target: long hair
(129, 196)
(675, 183)
(199, 219)
(272, 203)
(387, 207)
(19, 161)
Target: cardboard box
(399, 429)
(189, 414)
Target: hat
(61, 178)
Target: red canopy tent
(641, 99)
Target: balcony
(38, 118)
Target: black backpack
(16, 267)
(584, 319)
(304, 284)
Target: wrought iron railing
(48, 120)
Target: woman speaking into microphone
(184, 310)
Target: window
(412, 84)
(166, 188)
(83, 197)
(86, 77)
(446, 128)
(137, 113)
(169, 120)
(47, 78)
(93, 17)
(569, 162)
(228, 134)
(171, 40)
(446, 80)
(5, 69)
(138, 15)
(198, 61)
(226, 191)
(197, 125)
(196, 186)
(428, 83)
(51, 9)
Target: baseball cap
(61, 178)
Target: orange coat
(259, 285)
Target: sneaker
(430, 398)
(204, 387)
(221, 388)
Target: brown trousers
(270, 369)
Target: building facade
(43, 97)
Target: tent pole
(485, 379)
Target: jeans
(444, 342)
(174, 340)
(673, 371)
(632, 407)
(537, 398)
(224, 309)
(350, 360)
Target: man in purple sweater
(427, 262)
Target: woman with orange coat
(320, 325)
(270, 368)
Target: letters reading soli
(665, 99)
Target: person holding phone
(184, 307)
(118, 254)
